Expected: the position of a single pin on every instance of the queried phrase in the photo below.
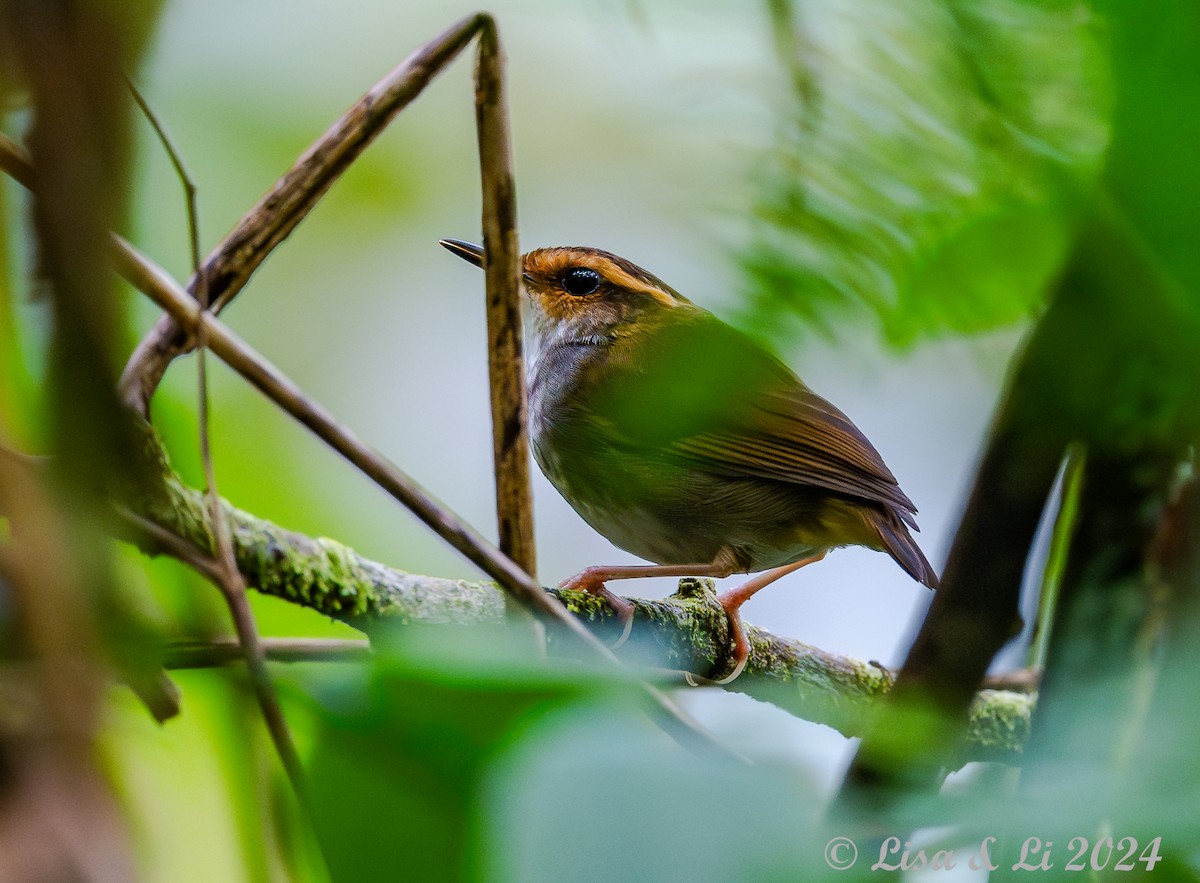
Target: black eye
(580, 281)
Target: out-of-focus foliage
(1137, 700)
(1150, 170)
(1114, 363)
(458, 754)
(931, 160)
(65, 626)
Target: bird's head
(583, 291)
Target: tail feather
(898, 543)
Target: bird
(686, 442)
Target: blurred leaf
(592, 793)
(18, 404)
(458, 755)
(405, 742)
(930, 163)
(1156, 128)
(1151, 286)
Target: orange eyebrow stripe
(622, 279)
(550, 262)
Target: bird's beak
(472, 254)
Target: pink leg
(732, 601)
(592, 581)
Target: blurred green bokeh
(931, 164)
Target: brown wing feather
(719, 400)
(794, 435)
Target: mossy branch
(683, 633)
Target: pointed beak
(472, 254)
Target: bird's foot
(592, 582)
(737, 651)
(739, 644)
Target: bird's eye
(580, 281)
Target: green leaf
(930, 162)
(405, 742)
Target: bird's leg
(592, 581)
(732, 601)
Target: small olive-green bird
(685, 442)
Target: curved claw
(733, 676)
(585, 581)
(627, 616)
(739, 644)
(738, 652)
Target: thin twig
(281, 390)
(228, 577)
(133, 266)
(211, 654)
(181, 172)
(15, 162)
(170, 543)
(506, 371)
(289, 201)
